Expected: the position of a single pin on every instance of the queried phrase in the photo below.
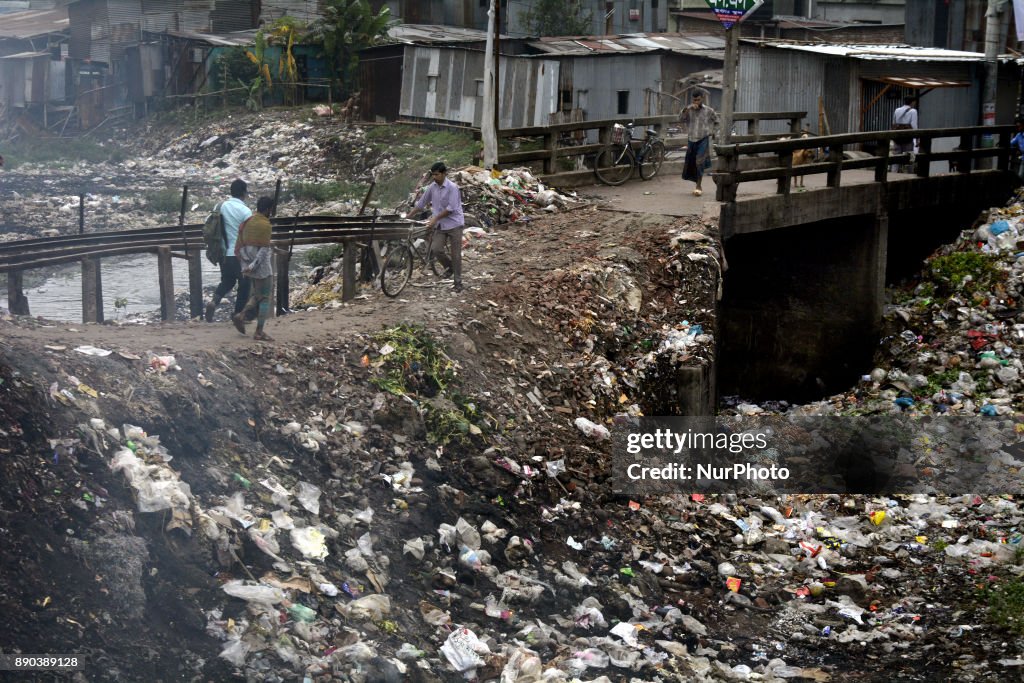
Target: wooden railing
(552, 151)
(754, 119)
(962, 159)
(185, 242)
(554, 136)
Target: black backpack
(215, 237)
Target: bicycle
(401, 256)
(614, 164)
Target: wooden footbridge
(186, 242)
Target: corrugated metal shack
(542, 81)
(631, 75)
(859, 86)
(446, 84)
(32, 64)
(382, 66)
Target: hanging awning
(918, 82)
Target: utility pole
(993, 36)
(732, 48)
(488, 117)
(731, 13)
(497, 68)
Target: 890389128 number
(45, 662)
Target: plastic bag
(592, 429)
(309, 497)
(258, 593)
(310, 542)
(462, 649)
(374, 607)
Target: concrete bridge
(807, 268)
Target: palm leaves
(346, 27)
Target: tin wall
(235, 15)
(305, 10)
(787, 80)
(446, 84)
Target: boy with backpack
(233, 213)
(255, 255)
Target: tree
(346, 27)
(285, 32)
(557, 18)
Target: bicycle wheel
(614, 164)
(653, 156)
(397, 269)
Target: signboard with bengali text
(731, 12)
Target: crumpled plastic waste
(310, 542)
(462, 649)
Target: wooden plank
(348, 271)
(550, 149)
(92, 291)
(283, 306)
(881, 165)
(195, 283)
(17, 302)
(835, 174)
(922, 162)
(166, 280)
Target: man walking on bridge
(701, 123)
(233, 213)
(905, 118)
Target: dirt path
(490, 264)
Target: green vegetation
(345, 28)
(941, 380)
(323, 256)
(167, 200)
(417, 366)
(557, 18)
(234, 71)
(965, 271)
(1006, 605)
(323, 192)
(416, 149)
(61, 152)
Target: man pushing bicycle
(445, 203)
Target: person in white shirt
(233, 213)
(905, 118)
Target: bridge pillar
(92, 290)
(166, 279)
(195, 283)
(348, 270)
(801, 308)
(17, 302)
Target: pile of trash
(506, 196)
(141, 190)
(953, 343)
(393, 506)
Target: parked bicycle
(614, 164)
(400, 257)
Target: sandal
(239, 322)
(262, 336)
